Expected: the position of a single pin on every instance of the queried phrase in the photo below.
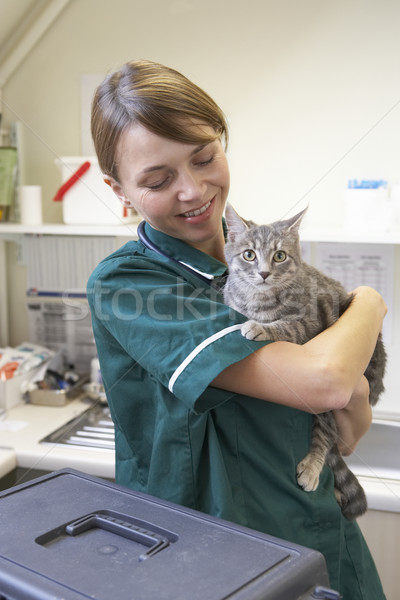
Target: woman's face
(180, 189)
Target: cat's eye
(280, 256)
(249, 255)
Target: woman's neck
(213, 247)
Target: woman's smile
(198, 212)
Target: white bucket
(90, 201)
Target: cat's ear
(293, 223)
(236, 225)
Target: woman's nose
(191, 186)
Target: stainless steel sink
(92, 430)
(378, 452)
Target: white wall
(311, 89)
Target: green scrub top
(162, 336)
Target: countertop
(382, 494)
(24, 425)
(376, 462)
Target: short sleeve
(183, 335)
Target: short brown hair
(159, 98)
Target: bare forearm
(283, 373)
(322, 374)
(351, 340)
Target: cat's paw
(340, 499)
(255, 331)
(308, 471)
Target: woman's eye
(157, 186)
(203, 163)
(249, 255)
(280, 256)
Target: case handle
(155, 542)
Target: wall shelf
(130, 230)
(123, 230)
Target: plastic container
(68, 535)
(95, 372)
(8, 168)
(45, 397)
(89, 200)
(12, 390)
(367, 206)
(395, 202)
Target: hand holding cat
(355, 419)
(369, 294)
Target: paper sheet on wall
(63, 324)
(58, 268)
(305, 251)
(361, 264)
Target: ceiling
(22, 23)
(14, 14)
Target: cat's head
(263, 255)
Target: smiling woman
(204, 417)
(180, 185)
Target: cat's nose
(264, 274)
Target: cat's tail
(348, 490)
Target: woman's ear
(118, 191)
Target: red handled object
(71, 181)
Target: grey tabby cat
(287, 299)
